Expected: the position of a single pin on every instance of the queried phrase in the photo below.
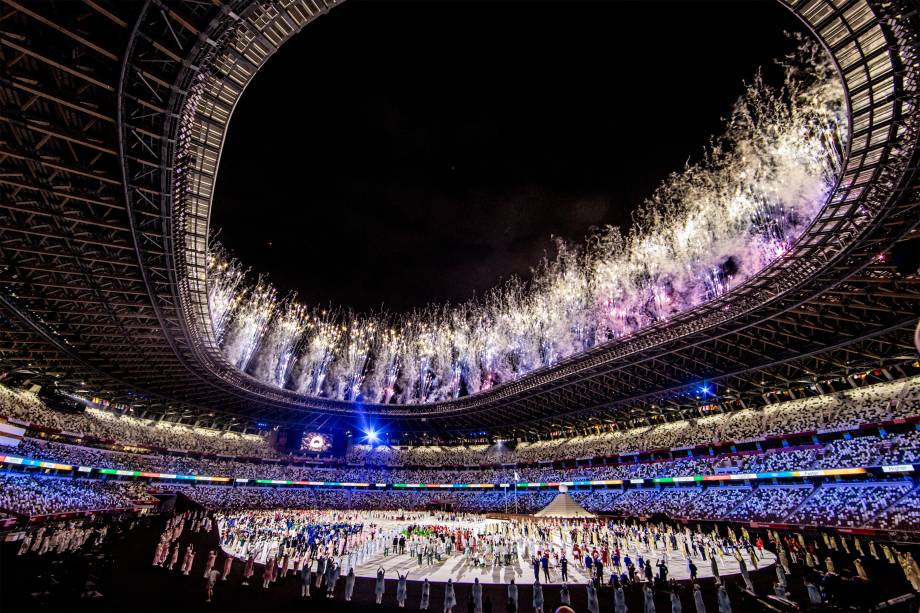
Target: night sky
(400, 153)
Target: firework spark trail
(245, 331)
(224, 281)
(387, 360)
(350, 367)
(447, 384)
(704, 230)
(281, 344)
(323, 336)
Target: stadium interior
(724, 432)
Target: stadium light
(371, 436)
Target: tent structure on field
(563, 505)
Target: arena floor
(119, 577)
(463, 570)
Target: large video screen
(315, 442)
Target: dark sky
(401, 153)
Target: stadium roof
(113, 117)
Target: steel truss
(112, 118)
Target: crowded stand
(30, 495)
(863, 451)
(902, 515)
(598, 501)
(671, 501)
(429, 455)
(771, 460)
(239, 498)
(770, 503)
(873, 450)
(858, 407)
(629, 501)
(867, 405)
(108, 426)
(883, 505)
(715, 502)
(847, 505)
(486, 464)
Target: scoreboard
(315, 442)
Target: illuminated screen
(315, 442)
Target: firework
(322, 337)
(281, 344)
(249, 320)
(225, 278)
(705, 230)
